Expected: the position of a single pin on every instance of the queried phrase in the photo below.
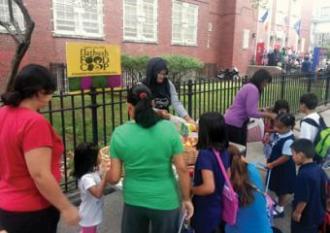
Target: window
(184, 23)
(78, 18)
(325, 12)
(4, 14)
(246, 39)
(140, 20)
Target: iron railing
(93, 115)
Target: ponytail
(140, 97)
(12, 98)
(240, 177)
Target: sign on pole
(93, 65)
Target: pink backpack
(229, 196)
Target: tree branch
(23, 38)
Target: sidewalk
(254, 154)
(114, 202)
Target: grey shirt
(177, 105)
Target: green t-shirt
(147, 157)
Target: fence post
(309, 85)
(94, 107)
(327, 89)
(282, 86)
(190, 95)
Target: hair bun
(12, 98)
(142, 95)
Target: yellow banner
(85, 59)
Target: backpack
(322, 139)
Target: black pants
(299, 228)
(42, 221)
(140, 220)
(237, 135)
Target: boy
(308, 104)
(310, 190)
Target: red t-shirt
(22, 130)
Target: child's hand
(270, 166)
(189, 208)
(296, 216)
(105, 166)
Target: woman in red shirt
(31, 199)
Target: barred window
(83, 18)
(184, 23)
(4, 14)
(140, 20)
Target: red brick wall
(46, 48)
(228, 19)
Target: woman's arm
(39, 166)
(185, 183)
(277, 162)
(114, 174)
(176, 103)
(208, 186)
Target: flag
(264, 16)
(296, 27)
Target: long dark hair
(85, 159)
(212, 132)
(240, 177)
(29, 81)
(259, 77)
(140, 97)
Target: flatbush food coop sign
(93, 66)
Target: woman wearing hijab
(163, 90)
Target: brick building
(221, 33)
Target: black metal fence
(93, 115)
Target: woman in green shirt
(147, 147)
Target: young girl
(281, 106)
(91, 185)
(283, 170)
(208, 178)
(247, 183)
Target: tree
(22, 37)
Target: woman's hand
(163, 114)
(189, 209)
(71, 215)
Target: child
(247, 183)
(283, 172)
(309, 202)
(208, 179)
(308, 104)
(91, 185)
(281, 106)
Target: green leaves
(178, 65)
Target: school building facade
(221, 33)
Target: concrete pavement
(114, 202)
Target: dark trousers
(237, 135)
(42, 221)
(299, 228)
(141, 220)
